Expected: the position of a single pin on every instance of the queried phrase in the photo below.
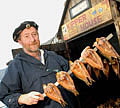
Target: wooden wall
(114, 10)
(73, 3)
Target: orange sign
(90, 19)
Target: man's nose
(32, 38)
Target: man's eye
(26, 36)
(35, 34)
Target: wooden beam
(114, 10)
(117, 26)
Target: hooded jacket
(25, 74)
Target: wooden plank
(88, 20)
(114, 10)
(117, 26)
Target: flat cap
(21, 27)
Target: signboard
(89, 19)
(79, 8)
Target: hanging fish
(64, 79)
(89, 56)
(109, 52)
(106, 67)
(80, 71)
(54, 93)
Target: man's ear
(19, 41)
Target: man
(30, 69)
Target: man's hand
(30, 98)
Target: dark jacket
(26, 74)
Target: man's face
(29, 39)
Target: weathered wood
(114, 10)
(92, 18)
(95, 2)
(117, 26)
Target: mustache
(34, 43)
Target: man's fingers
(37, 95)
(34, 102)
(41, 96)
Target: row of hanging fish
(90, 58)
(106, 49)
(65, 80)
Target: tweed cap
(21, 27)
